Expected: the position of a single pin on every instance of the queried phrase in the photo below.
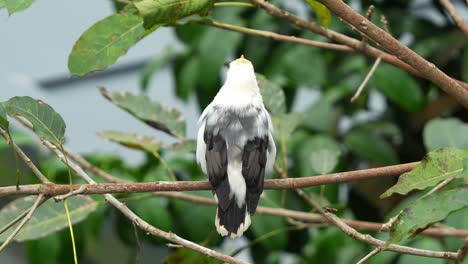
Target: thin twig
(138, 243)
(438, 187)
(311, 217)
(41, 198)
(24, 157)
(233, 4)
(142, 224)
(405, 59)
(273, 184)
(80, 190)
(427, 69)
(384, 22)
(368, 76)
(371, 240)
(461, 254)
(276, 36)
(14, 221)
(370, 255)
(453, 14)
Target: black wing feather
(254, 160)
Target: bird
(235, 148)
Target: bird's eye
(226, 64)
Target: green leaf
(185, 146)
(104, 42)
(45, 250)
(285, 124)
(448, 132)
(399, 87)
(167, 11)
(154, 211)
(3, 118)
(273, 96)
(189, 256)
(368, 145)
(14, 6)
(310, 155)
(133, 141)
(437, 166)
(265, 224)
(152, 113)
(428, 210)
(154, 66)
(42, 118)
(186, 75)
(2, 3)
(322, 116)
(321, 11)
(324, 161)
(50, 217)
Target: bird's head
(242, 71)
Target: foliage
(398, 118)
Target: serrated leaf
(437, 166)
(273, 96)
(399, 87)
(42, 118)
(167, 11)
(321, 11)
(3, 118)
(104, 42)
(448, 132)
(285, 124)
(50, 217)
(189, 256)
(153, 66)
(370, 146)
(428, 210)
(163, 118)
(134, 141)
(15, 6)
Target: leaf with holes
(104, 42)
(273, 96)
(152, 113)
(437, 166)
(167, 11)
(3, 118)
(321, 11)
(133, 141)
(426, 211)
(50, 217)
(39, 116)
(448, 132)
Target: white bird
(235, 147)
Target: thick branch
(348, 41)
(130, 187)
(427, 70)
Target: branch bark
(453, 14)
(427, 70)
(357, 45)
(275, 184)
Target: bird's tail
(233, 221)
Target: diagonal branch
(274, 184)
(453, 14)
(142, 224)
(41, 198)
(397, 61)
(427, 69)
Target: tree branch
(453, 14)
(276, 36)
(275, 184)
(41, 198)
(142, 224)
(427, 70)
(363, 84)
(348, 41)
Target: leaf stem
(233, 4)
